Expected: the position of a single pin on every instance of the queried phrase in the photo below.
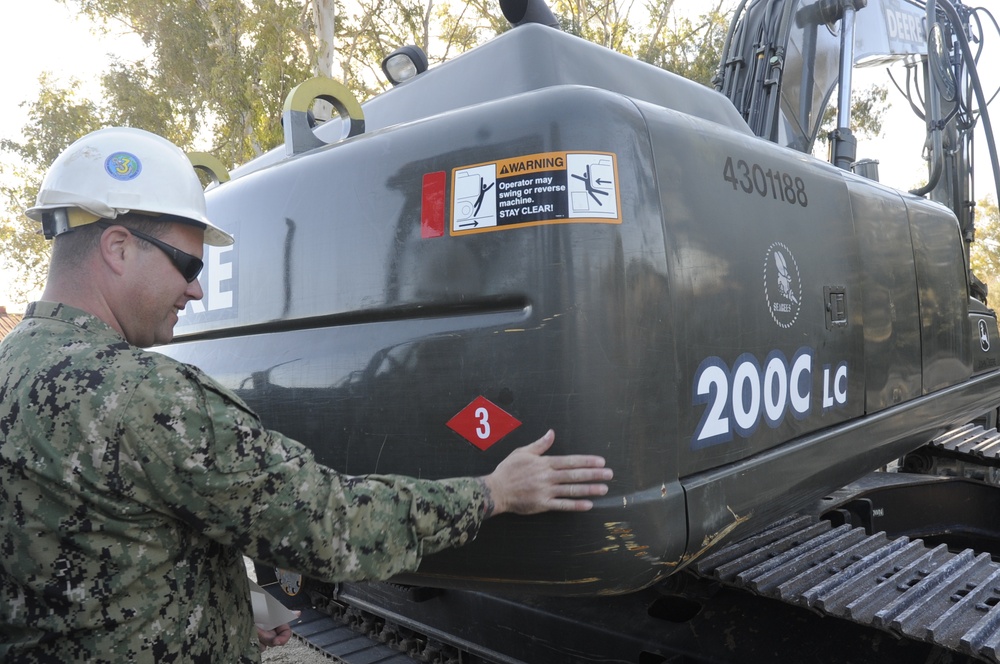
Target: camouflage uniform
(131, 484)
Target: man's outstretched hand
(528, 482)
(270, 638)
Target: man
(131, 485)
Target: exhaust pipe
(519, 12)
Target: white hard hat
(118, 170)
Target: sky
(44, 35)
(39, 36)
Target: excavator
(789, 365)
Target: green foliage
(466, 24)
(984, 255)
(868, 109)
(220, 70)
(689, 47)
(22, 247)
(604, 22)
(685, 45)
(55, 120)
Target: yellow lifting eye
(211, 165)
(299, 134)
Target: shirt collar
(67, 314)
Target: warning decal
(544, 188)
(483, 423)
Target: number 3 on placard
(483, 430)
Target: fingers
(542, 445)
(571, 494)
(577, 461)
(567, 489)
(579, 489)
(562, 505)
(283, 634)
(529, 482)
(278, 636)
(571, 497)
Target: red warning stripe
(432, 205)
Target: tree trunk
(325, 15)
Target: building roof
(8, 321)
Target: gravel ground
(294, 652)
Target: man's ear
(114, 248)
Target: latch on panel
(836, 306)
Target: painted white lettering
(483, 430)
(840, 384)
(827, 399)
(835, 390)
(713, 383)
(746, 393)
(219, 272)
(904, 26)
(735, 399)
(775, 390)
(216, 282)
(799, 399)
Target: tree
(56, 118)
(218, 68)
(603, 22)
(868, 109)
(689, 47)
(984, 255)
(222, 69)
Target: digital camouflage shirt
(131, 485)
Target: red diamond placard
(483, 423)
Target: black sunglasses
(189, 266)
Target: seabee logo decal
(123, 166)
(782, 285)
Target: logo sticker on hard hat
(782, 285)
(483, 423)
(542, 188)
(123, 166)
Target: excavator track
(909, 588)
(898, 585)
(355, 637)
(971, 443)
